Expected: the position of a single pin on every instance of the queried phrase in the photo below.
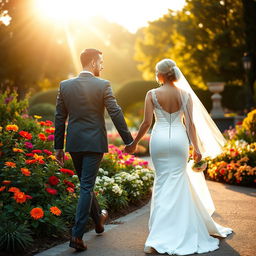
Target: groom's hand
(59, 154)
(130, 149)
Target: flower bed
(237, 164)
(37, 197)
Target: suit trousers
(87, 165)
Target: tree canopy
(206, 39)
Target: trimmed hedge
(44, 97)
(233, 96)
(46, 110)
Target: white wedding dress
(180, 218)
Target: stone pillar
(216, 88)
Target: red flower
(41, 161)
(69, 183)
(67, 171)
(70, 190)
(47, 152)
(6, 182)
(42, 137)
(29, 197)
(25, 135)
(222, 171)
(50, 130)
(37, 151)
(51, 191)
(53, 180)
(48, 123)
(29, 154)
(42, 123)
(33, 161)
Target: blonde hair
(168, 68)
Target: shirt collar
(86, 72)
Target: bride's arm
(190, 127)
(146, 123)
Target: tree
(38, 53)
(204, 39)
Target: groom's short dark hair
(88, 55)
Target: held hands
(131, 148)
(59, 154)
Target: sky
(132, 14)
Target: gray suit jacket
(83, 100)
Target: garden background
(206, 39)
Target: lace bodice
(164, 117)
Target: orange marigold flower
(6, 182)
(20, 197)
(19, 150)
(2, 188)
(1, 144)
(12, 127)
(25, 171)
(14, 189)
(10, 164)
(42, 137)
(37, 213)
(55, 210)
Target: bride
(181, 207)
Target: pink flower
(28, 145)
(50, 137)
(47, 152)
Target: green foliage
(133, 92)
(14, 237)
(44, 97)
(206, 39)
(34, 189)
(46, 110)
(10, 107)
(28, 63)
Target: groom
(82, 100)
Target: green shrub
(44, 97)
(46, 110)
(10, 108)
(14, 237)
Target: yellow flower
(12, 127)
(17, 150)
(37, 117)
(1, 128)
(52, 157)
(37, 157)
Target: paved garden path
(235, 208)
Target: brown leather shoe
(99, 228)
(77, 243)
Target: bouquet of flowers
(199, 166)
